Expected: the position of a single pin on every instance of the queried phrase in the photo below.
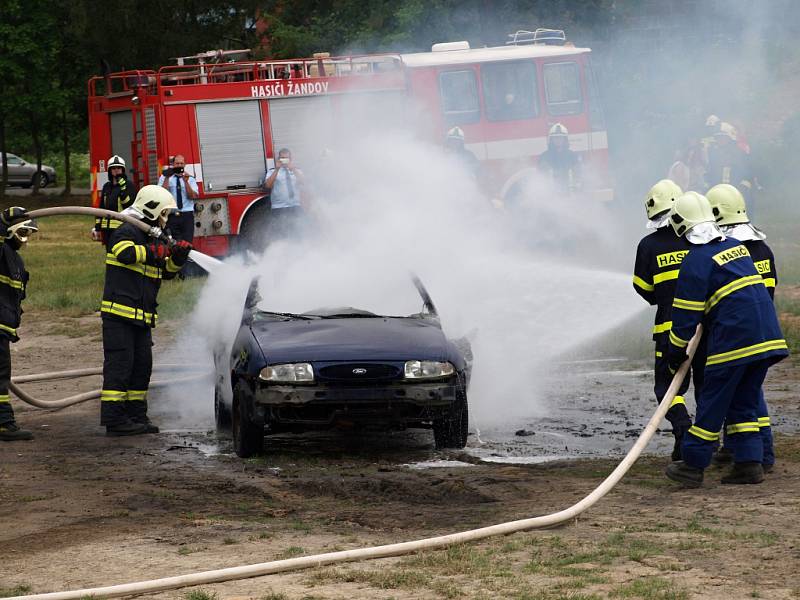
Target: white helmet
(154, 203)
(712, 121)
(558, 130)
(115, 161)
(455, 133)
(691, 215)
(726, 130)
(660, 198)
(20, 231)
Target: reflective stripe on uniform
(677, 400)
(666, 276)
(146, 270)
(748, 427)
(676, 341)
(768, 346)
(171, 266)
(128, 312)
(688, 304)
(733, 286)
(120, 246)
(17, 284)
(137, 395)
(659, 354)
(10, 330)
(113, 396)
(764, 422)
(704, 434)
(662, 327)
(639, 282)
(769, 282)
(4, 398)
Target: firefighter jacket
(133, 276)
(563, 167)
(116, 196)
(658, 259)
(720, 286)
(13, 279)
(765, 263)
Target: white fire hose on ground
(329, 558)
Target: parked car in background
(342, 367)
(24, 173)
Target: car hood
(381, 338)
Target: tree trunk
(37, 146)
(4, 176)
(65, 139)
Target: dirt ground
(78, 509)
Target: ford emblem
(359, 371)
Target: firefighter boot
(676, 449)
(682, 473)
(722, 457)
(126, 428)
(768, 467)
(9, 432)
(148, 424)
(745, 472)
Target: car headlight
(288, 373)
(428, 369)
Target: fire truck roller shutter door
(122, 136)
(303, 125)
(231, 144)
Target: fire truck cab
(230, 119)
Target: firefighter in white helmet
(15, 228)
(728, 163)
(135, 265)
(718, 285)
(655, 272)
(454, 146)
(117, 194)
(559, 162)
(730, 212)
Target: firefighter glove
(676, 358)
(180, 252)
(13, 213)
(158, 251)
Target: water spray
(402, 548)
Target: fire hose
(398, 549)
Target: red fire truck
(229, 119)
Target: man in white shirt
(183, 188)
(284, 182)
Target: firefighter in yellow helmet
(15, 228)
(658, 259)
(135, 265)
(117, 194)
(559, 162)
(730, 212)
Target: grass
(17, 590)
(200, 595)
(650, 588)
(67, 272)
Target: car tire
(222, 414)
(42, 177)
(248, 437)
(451, 431)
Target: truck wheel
(451, 431)
(248, 437)
(222, 414)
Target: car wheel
(40, 179)
(451, 431)
(248, 437)
(222, 414)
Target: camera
(173, 171)
(284, 161)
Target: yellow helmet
(727, 204)
(660, 197)
(689, 210)
(154, 203)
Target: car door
(15, 166)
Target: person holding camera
(183, 188)
(284, 182)
(117, 195)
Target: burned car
(342, 367)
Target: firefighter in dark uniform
(658, 259)
(559, 162)
(117, 194)
(135, 265)
(730, 211)
(728, 163)
(719, 285)
(14, 232)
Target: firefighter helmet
(455, 133)
(115, 161)
(689, 210)
(660, 197)
(712, 121)
(558, 130)
(726, 130)
(20, 231)
(154, 203)
(727, 204)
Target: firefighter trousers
(764, 430)
(6, 412)
(127, 365)
(677, 415)
(730, 395)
